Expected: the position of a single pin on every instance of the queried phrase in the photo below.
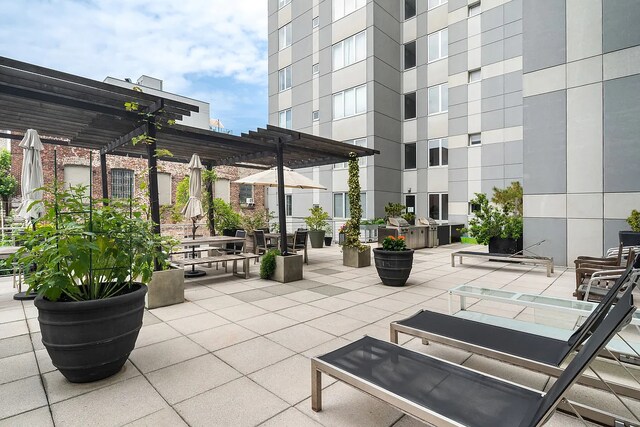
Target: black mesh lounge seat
(446, 394)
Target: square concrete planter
(352, 258)
(288, 268)
(166, 288)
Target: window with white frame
(315, 116)
(436, 3)
(475, 75)
(344, 7)
(245, 193)
(438, 98)
(164, 188)
(350, 50)
(438, 152)
(439, 206)
(121, 183)
(362, 161)
(284, 78)
(284, 118)
(283, 3)
(410, 55)
(350, 102)
(438, 45)
(75, 175)
(474, 9)
(284, 36)
(473, 208)
(315, 69)
(341, 208)
(475, 139)
(315, 22)
(409, 9)
(288, 204)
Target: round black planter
(498, 245)
(91, 340)
(629, 238)
(327, 240)
(393, 267)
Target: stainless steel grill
(422, 235)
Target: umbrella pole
(281, 199)
(194, 272)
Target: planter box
(352, 258)
(166, 288)
(288, 268)
(629, 238)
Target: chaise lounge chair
(445, 394)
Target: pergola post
(281, 199)
(103, 174)
(210, 216)
(154, 202)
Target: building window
(344, 7)
(410, 156)
(438, 99)
(284, 36)
(409, 9)
(410, 106)
(245, 193)
(474, 9)
(410, 203)
(315, 69)
(475, 75)
(288, 204)
(475, 139)
(284, 118)
(283, 3)
(436, 3)
(473, 208)
(438, 45)
(164, 188)
(315, 116)
(439, 206)
(75, 175)
(350, 102)
(362, 161)
(284, 78)
(121, 183)
(438, 152)
(315, 22)
(410, 55)
(341, 208)
(350, 50)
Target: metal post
(210, 217)
(103, 174)
(154, 204)
(281, 199)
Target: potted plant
(631, 238)
(393, 261)
(257, 220)
(283, 269)
(83, 261)
(354, 253)
(317, 222)
(328, 235)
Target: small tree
(352, 226)
(510, 198)
(8, 182)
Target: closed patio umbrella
(193, 208)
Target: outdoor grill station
(422, 235)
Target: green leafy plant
(76, 254)
(318, 218)
(510, 198)
(268, 263)
(255, 220)
(8, 183)
(393, 210)
(328, 231)
(409, 217)
(489, 221)
(351, 228)
(634, 221)
(390, 243)
(225, 216)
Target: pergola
(71, 110)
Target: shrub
(268, 263)
(634, 220)
(318, 218)
(490, 221)
(224, 215)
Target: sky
(211, 50)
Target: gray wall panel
(544, 30)
(492, 155)
(493, 53)
(512, 11)
(554, 233)
(492, 18)
(513, 152)
(620, 24)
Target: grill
(418, 236)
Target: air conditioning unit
(249, 200)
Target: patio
(237, 351)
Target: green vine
(352, 226)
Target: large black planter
(498, 245)
(91, 340)
(393, 267)
(629, 238)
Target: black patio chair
(299, 244)
(235, 248)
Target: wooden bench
(523, 259)
(221, 258)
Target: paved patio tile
(15, 345)
(267, 323)
(187, 379)
(177, 311)
(300, 337)
(289, 379)
(36, 340)
(12, 314)
(217, 303)
(40, 417)
(239, 403)
(357, 296)
(389, 304)
(365, 314)
(163, 418)
(281, 289)
(276, 303)
(201, 292)
(222, 336)
(155, 333)
(253, 355)
(17, 367)
(21, 396)
(303, 312)
(44, 361)
(305, 295)
(156, 356)
(326, 271)
(332, 304)
(330, 290)
(328, 280)
(13, 329)
(336, 324)
(149, 319)
(114, 405)
(306, 284)
(290, 418)
(253, 295)
(241, 312)
(197, 323)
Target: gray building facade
(461, 96)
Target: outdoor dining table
(6, 252)
(213, 241)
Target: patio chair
(235, 248)
(260, 243)
(612, 258)
(443, 393)
(299, 244)
(587, 269)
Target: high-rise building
(462, 96)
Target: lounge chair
(587, 269)
(445, 394)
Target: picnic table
(211, 243)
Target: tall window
(121, 183)
(284, 118)
(438, 98)
(410, 55)
(438, 45)
(410, 156)
(350, 102)
(439, 206)
(362, 161)
(164, 188)
(409, 9)
(438, 152)
(284, 36)
(344, 7)
(283, 3)
(410, 203)
(410, 106)
(350, 50)
(245, 193)
(288, 204)
(341, 208)
(284, 78)
(474, 9)
(436, 3)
